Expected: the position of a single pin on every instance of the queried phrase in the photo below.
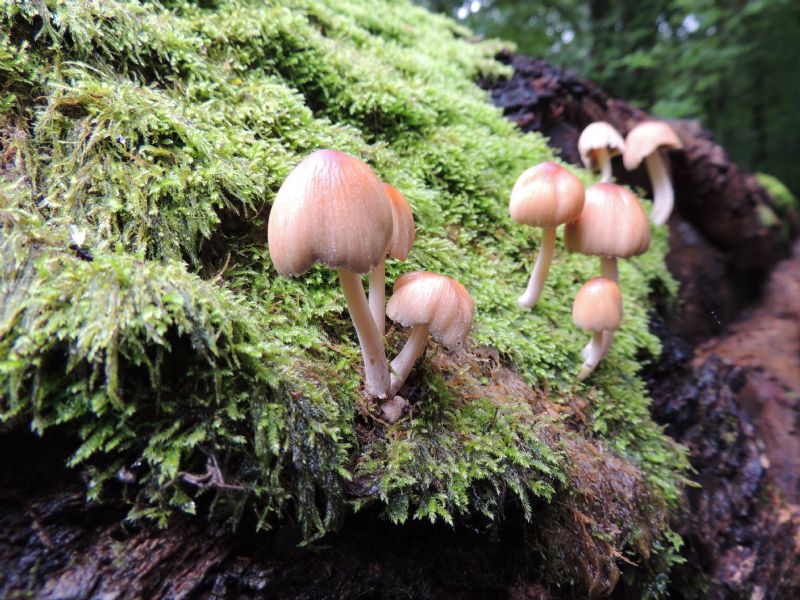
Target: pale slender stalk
(594, 355)
(608, 268)
(540, 270)
(604, 162)
(376, 368)
(663, 195)
(403, 362)
(377, 296)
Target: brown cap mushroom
(402, 239)
(429, 303)
(645, 142)
(612, 225)
(333, 209)
(597, 308)
(598, 143)
(545, 196)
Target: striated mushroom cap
(546, 195)
(598, 305)
(438, 301)
(403, 229)
(612, 224)
(596, 136)
(645, 138)
(332, 209)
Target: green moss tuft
(163, 132)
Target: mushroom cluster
(605, 221)
(648, 141)
(332, 209)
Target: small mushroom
(612, 225)
(597, 308)
(545, 196)
(429, 303)
(333, 209)
(647, 141)
(402, 240)
(598, 143)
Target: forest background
(733, 64)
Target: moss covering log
(184, 368)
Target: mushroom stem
(608, 268)
(377, 296)
(663, 196)
(540, 270)
(594, 354)
(376, 368)
(603, 159)
(403, 362)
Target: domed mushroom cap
(403, 229)
(546, 195)
(332, 209)
(438, 301)
(645, 138)
(612, 224)
(597, 136)
(598, 305)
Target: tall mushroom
(597, 308)
(431, 303)
(402, 240)
(333, 209)
(598, 143)
(612, 225)
(648, 140)
(545, 196)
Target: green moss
(163, 132)
(786, 206)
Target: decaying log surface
(733, 401)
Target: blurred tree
(733, 64)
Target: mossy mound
(163, 131)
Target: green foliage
(163, 133)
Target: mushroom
(429, 303)
(333, 209)
(597, 144)
(612, 225)
(646, 141)
(545, 196)
(399, 247)
(597, 308)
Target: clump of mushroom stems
(376, 368)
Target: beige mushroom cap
(597, 136)
(403, 233)
(546, 195)
(438, 301)
(598, 305)
(612, 224)
(332, 209)
(645, 138)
